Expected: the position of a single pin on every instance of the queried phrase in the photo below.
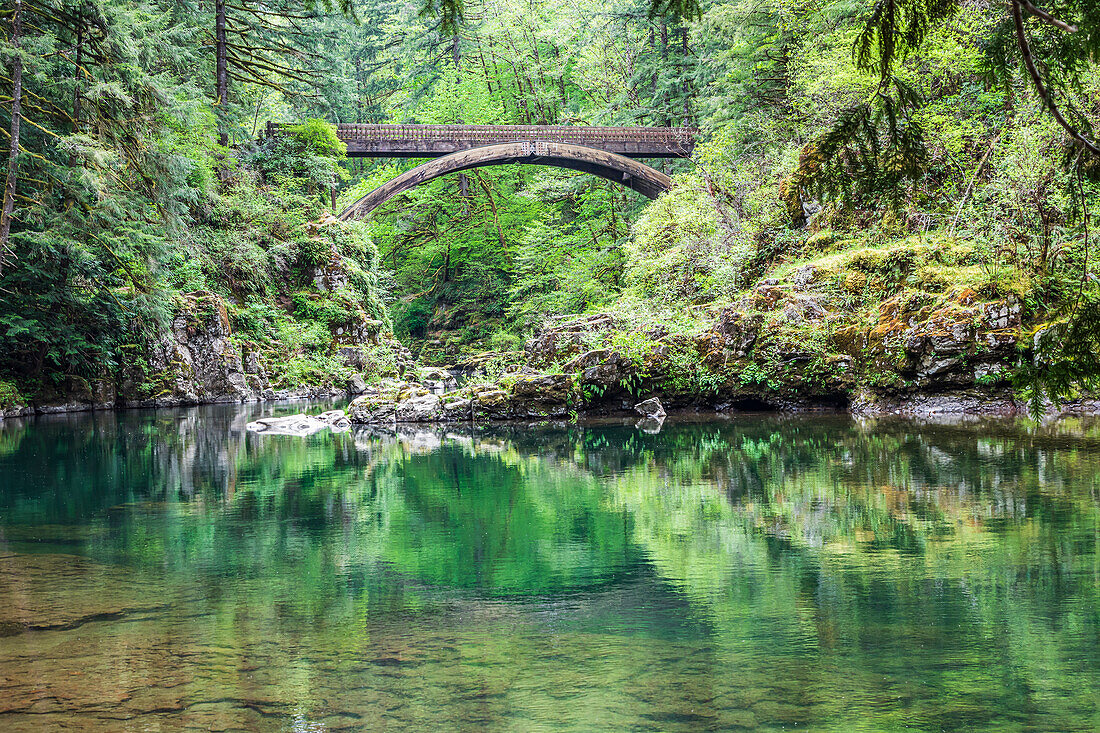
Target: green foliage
(872, 148)
(1064, 363)
(505, 341)
(317, 137)
(306, 155)
(411, 318)
(900, 137)
(10, 396)
(682, 250)
(878, 144)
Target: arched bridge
(609, 152)
(433, 141)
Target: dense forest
(863, 167)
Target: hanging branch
(1044, 93)
(1048, 18)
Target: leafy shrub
(505, 341)
(10, 396)
(411, 318)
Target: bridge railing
(490, 133)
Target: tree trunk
(684, 78)
(77, 74)
(16, 116)
(358, 89)
(222, 70)
(653, 48)
(665, 120)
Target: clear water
(168, 571)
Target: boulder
(937, 345)
(546, 389)
(490, 403)
(373, 408)
(356, 385)
(587, 360)
(457, 410)
(732, 336)
(336, 419)
(564, 337)
(437, 380)
(651, 408)
(481, 364)
(421, 408)
(197, 360)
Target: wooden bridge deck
(433, 141)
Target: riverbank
(916, 327)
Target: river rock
(336, 419)
(437, 380)
(489, 402)
(373, 408)
(356, 385)
(651, 408)
(480, 365)
(421, 408)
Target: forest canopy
(138, 168)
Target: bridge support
(630, 173)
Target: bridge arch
(630, 173)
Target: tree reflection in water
(760, 571)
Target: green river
(168, 570)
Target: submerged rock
(301, 425)
(517, 397)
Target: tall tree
(16, 118)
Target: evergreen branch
(51, 133)
(260, 81)
(29, 93)
(246, 65)
(278, 48)
(258, 12)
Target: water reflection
(171, 569)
